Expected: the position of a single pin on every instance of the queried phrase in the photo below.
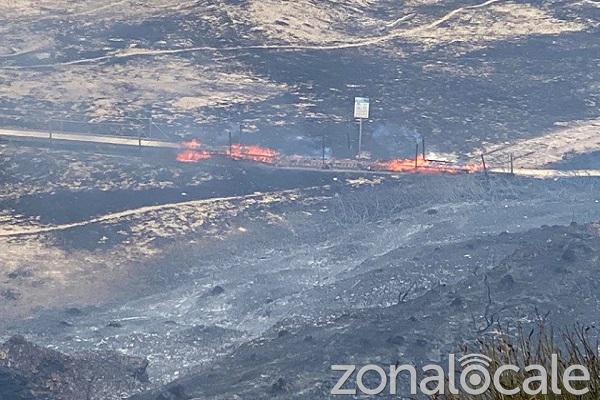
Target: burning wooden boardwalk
(193, 152)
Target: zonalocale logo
(474, 378)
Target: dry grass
(573, 347)
(110, 90)
(376, 202)
(577, 137)
(496, 22)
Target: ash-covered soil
(28, 371)
(283, 283)
(227, 280)
(542, 274)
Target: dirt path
(13, 231)
(335, 46)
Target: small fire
(192, 156)
(403, 165)
(190, 152)
(191, 144)
(253, 153)
(425, 166)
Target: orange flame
(192, 156)
(425, 166)
(253, 153)
(191, 144)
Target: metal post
(512, 166)
(360, 132)
(423, 145)
(150, 127)
(323, 148)
(483, 163)
(417, 156)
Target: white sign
(361, 107)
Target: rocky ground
(28, 371)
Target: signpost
(361, 111)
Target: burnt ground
(543, 274)
(234, 281)
(28, 371)
(172, 182)
(343, 269)
(487, 75)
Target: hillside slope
(461, 73)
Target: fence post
(483, 163)
(230, 143)
(323, 148)
(417, 156)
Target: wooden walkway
(151, 143)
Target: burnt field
(464, 75)
(307, 270)
(127, 275)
